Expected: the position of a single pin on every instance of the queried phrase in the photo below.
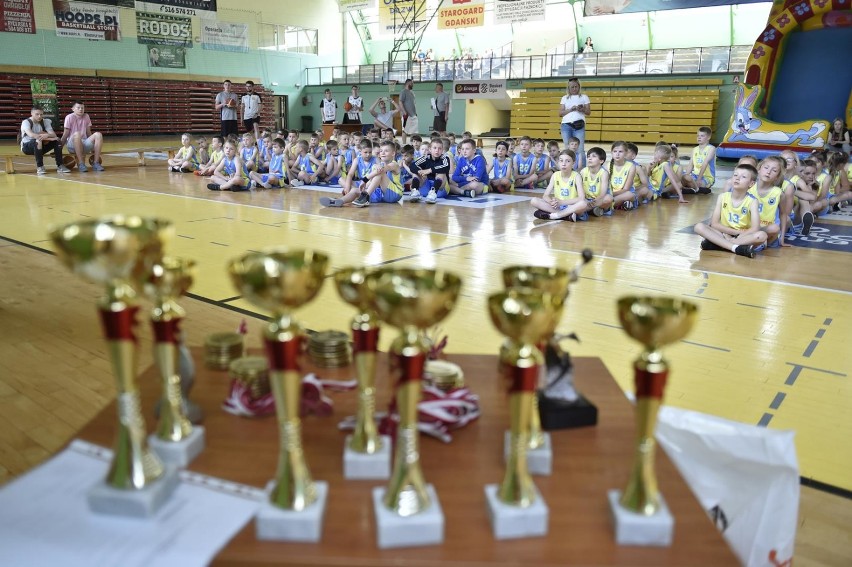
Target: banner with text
(86, 21)
(163, 29)
(396, 15)
(223, 36)
(461, 14)
(479, 89)
(605, 7)
(350, 5)
(167, 56)
(206, 8)
(518, 11)
(16, 16)
(44, 96)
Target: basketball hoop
(392, 86)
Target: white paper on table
(45, 518)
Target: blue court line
(776, 403)
(706, 275)
(820, 333)
(827, 322)
(791, 378)
(800, 366)
(700, 291)
(700, 296)
(750, 305)
(810, 350)
(706, 346)
(764, 420)
(607, 325)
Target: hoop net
(392, 86)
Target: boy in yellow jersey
(216, 154)
(596, 183)
(564, 198)
(735, 223)
(621, 174)
(699, 175)
(768, 195)
(384, 182)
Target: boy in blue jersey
(361, 167)
(699, 175)
(523, 165)
(470, 177)
(383, 184)
(277, 173)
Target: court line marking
(422, 231)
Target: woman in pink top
(77, 134)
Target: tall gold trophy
(117, 252)
(280, 281)
(525, 316)
(640, 514)
(408, 512)
(176, 441)
(366, 454)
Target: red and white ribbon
(314, 401)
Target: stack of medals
(443, 375)
(221, 348)
(329, 349)
(253, 373)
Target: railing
(663, 61)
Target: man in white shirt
(38, 138)
(356, 105)
(328, 108)
(383, 118)
(250, 105)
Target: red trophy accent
(166, 331)
(522, 379)
(408, 368)
(366, 341)
(118, 325)
(284, 356)
(650, 384)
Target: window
(277, 37)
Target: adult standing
(410, 123)
(250, 104)
(574, 108)
(226, 102)
(77, 133)
(38, 138)
(328, 108)
(441, 107)
(355, 106)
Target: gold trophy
(525, 316)
(117, 252)
(412, 301)
(641, 515)
(176, 441)
(366, 454)
(280, 281)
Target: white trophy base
(539, 461)
(393, 530)
(637, 529)
(273, 523)
(179, 453)
(360, 466)
(512, 522)
(143, 503)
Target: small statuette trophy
(640, 514)
(525, 316)
(366, 454)
(280, 281)
(117, 252)
(176, 441)
(408, 512)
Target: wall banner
(44, 96)
(223, 36)
(604, 7)
(86, 21)
(16, 16)
(396, 15)
(200, 8)
(479, 89)
(461, 14)
(350, 5)
(163, 29)
(518, 11)
(167, 56)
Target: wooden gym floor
(769, 347)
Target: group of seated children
(778, 196)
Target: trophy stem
(517, 487)
(173, 425)
(133, 466)
(294, 489)
(406, 494)
(642, 494)
(365, 438)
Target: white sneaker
(297, 183)
(414, 196)
(40, 171)
(432, 197)
(62, 169)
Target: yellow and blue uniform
(186, 153)
(658, 179)
(277, 171)
(362, 168)
(216, 156)
(526, 167)
(592, 184)
(566, 189)
(736, 216)
(542, 163)
(229, 166)
(249, 154)
(501, 170)
(394, 191)
(330, 160)
(618, 179)
(767, 205)
(699, 156)
(305, 164)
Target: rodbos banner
(162, 29)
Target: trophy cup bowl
(170, 278)
(654, 322)
(554, 281)
(411, 300)
(525, 315)
(352, 286)
(117, 252)
(282, 280)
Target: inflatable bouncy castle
(797, 79)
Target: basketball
(348, 106)
(231, 103)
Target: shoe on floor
(743, 250)
(836, 207)
(704, 191)
(214, 187)
(598, 212)
(363, 200)
(97, 167)
(297, 183)
(707, 245)
(807, 222)
(62, 169)
(628, 205)
(81, 167)
(329, 202)
(539, 214)
(40, 171)
(414, 196)
(432, 197)
(470, 193)
(570, 218)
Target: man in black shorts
(251, 109)
(226, 102)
